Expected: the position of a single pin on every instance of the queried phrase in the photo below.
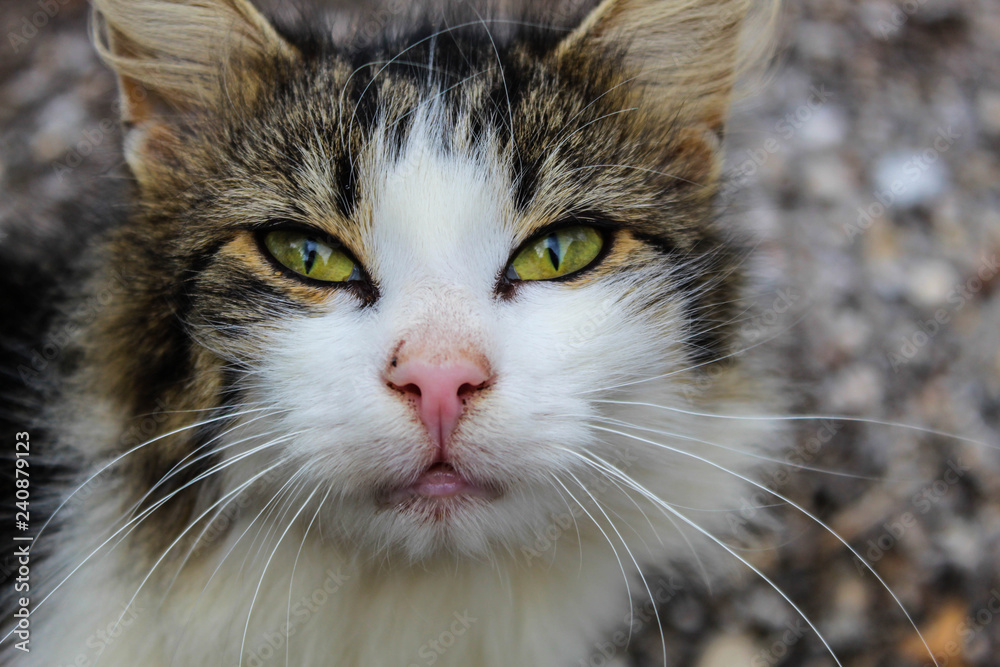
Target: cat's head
(416, 266)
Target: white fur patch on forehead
(438, 211)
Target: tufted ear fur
(175, 58)
(687, 53)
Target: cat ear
(178, 57)
(685, 53)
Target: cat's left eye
(312, 255)
(559, 253)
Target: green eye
(558, 254)
(312, 256)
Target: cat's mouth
(441, 483)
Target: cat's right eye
(312, 255)
(557, 254)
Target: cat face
(440, 409)
(416, 271)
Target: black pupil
(309, 251)
(552, 243)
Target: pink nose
(441, 391)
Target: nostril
(468, 390)
(410, 388)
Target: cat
(374, 331)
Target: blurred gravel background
(869, 165)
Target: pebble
(820, 41)
(930, 282)
(729, 650)
(60, 127)
(828, 177)
(850, 332)
(856, 389)
(904, 179)
(851, 598)
(826, 129)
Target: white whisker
(118, 532)
(808, 417)
(744, 452)
(122, 456)
(668, 508)
(621, 565)
(798, 507)
(295, 565)
(267, 564)
(642, 577)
